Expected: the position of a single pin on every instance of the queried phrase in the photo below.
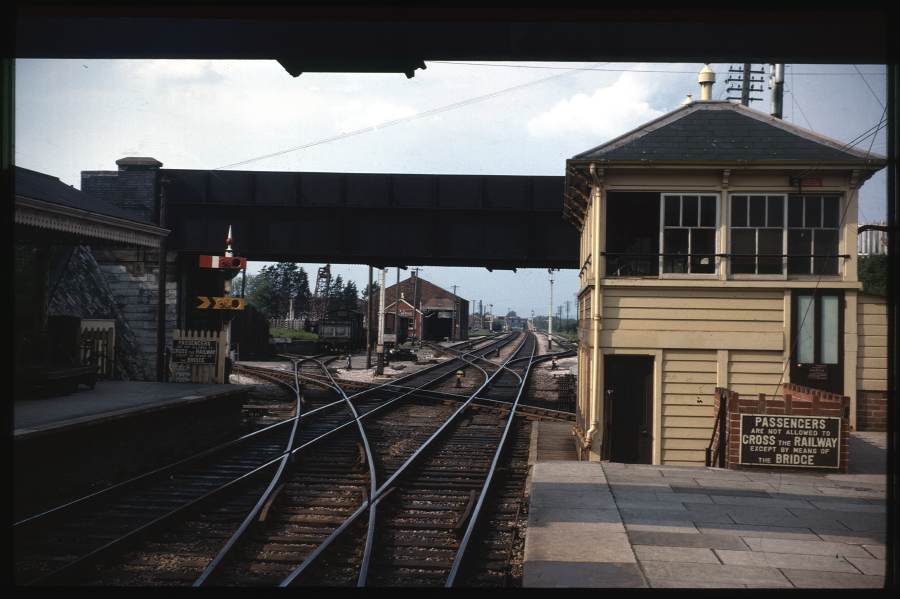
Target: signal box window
(689, 234)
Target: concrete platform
(64, 447)
(629, 525)
(109, 400)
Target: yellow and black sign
(221, 303)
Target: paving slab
(762, 501)
(869, 565)
(685, 539)
(750, 530)
(571, 542)
(721, 575)
(824, 563)
(661, 553)
(852, 538)
(804, 547)
(703, 528)
(832, 580)
(554, 574)
(679, 528)
(876, 550)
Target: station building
(70, 253)
(428, 312)
(718, 249)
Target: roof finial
(688, 100)
(706, 78)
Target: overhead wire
(406, 119)
(611, 70)
(874, 95)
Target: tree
(275, 285)
(873, 271)
(335, 291)
(348, 296)
(261, 295)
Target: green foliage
(873, 272)
(292, 334)
(272, 289)
(261, 295)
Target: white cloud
(357, 114)
(608, 112)
(167, 72)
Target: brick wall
(795, 401)
(871, 410)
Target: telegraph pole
(415, 302)
(397, 311)
(776, 84)
(369, 322)
(455, 320)
(550, 314)
(379, 362)
(747, 80)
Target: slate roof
(38, 186)
(714, 131)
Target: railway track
(292, 516)
(430, 507)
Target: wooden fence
(98, 346)
(294, 324)
(197, 357)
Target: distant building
(426, 311)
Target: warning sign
(795, 441)
(193, 351)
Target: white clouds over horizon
(608, 112)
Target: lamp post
(379, 360)
(550, 315)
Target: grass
(292, 334)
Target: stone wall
(131, 188)
(120, 284)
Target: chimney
(688, 100)
(706, 78)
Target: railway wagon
(342, 330)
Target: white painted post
(379, 363)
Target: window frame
(730, 241)
(785, 275)
(715, 228)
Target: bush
(292, 334)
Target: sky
(451, 118)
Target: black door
(629, 409)
(817, 339)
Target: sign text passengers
(796, 441)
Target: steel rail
(376, 496)
(372, 501)
(476, 512)
(149, 526)
(232, 542)
(264, 497)
(54, 511)
(386, 486)
(158, 471)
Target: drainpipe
(596, 311)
